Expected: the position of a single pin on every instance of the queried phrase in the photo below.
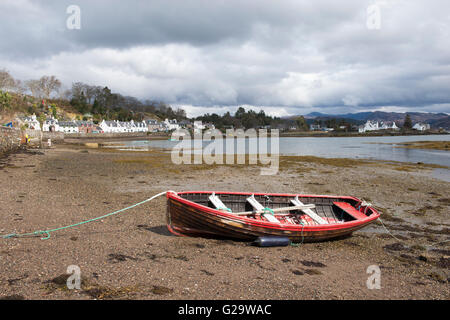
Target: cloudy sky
(286, 57)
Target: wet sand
(133, 256)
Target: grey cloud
(296, 55)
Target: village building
(199, 127)
(30, 122)
(50, 124)
(97, 129)
(186, 124)
(153, 125)
(421, 126)
(375, 125)
(140, 126)
(123, 126)
(110, 126)
(171, 125)
(314, 127)
(85, 126)
(68, 127)
(388, 126)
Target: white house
(374, 125)
(199, 127)
(140, 126)
(171, 124)
(369, 126)
(110, 126)
(388, 126)
(67, 127)
(50, 124)
(32, 122)
(123, 126)
(314, 127)
(421, 126)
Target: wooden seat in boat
(215, 200)
(259, 207)
(309, 212)
(348, 208)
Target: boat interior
(302, 210)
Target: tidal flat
(133, 256)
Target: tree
(5, 100)
(49, 84)
(53, 108)
(41, 119)
(35, 87)
(6, 80)
(19, 87)
(408, 123)
(90, 92)
(80, 104)
(239, 113)
(77, 91)
(301, 123)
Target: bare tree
(78, 89)
(35, 88)
(49, 84)
(90, 93)
(6, 80)
(19, 87)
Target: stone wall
(54, 136)
(9, 139)
(12, 138)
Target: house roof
(67, 124)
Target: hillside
(26, 105)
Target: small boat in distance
(247, 216)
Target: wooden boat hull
(187, 216)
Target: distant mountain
(441, 123)
(436, 120)
(314, 115)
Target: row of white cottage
(375, 125)
(115, 126)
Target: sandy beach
(133, 256)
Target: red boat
(247, 216)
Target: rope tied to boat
(303, 237)
(368, 204)
(47, 232)
(364, 204)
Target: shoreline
(162, 136)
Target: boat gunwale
(272, 225)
